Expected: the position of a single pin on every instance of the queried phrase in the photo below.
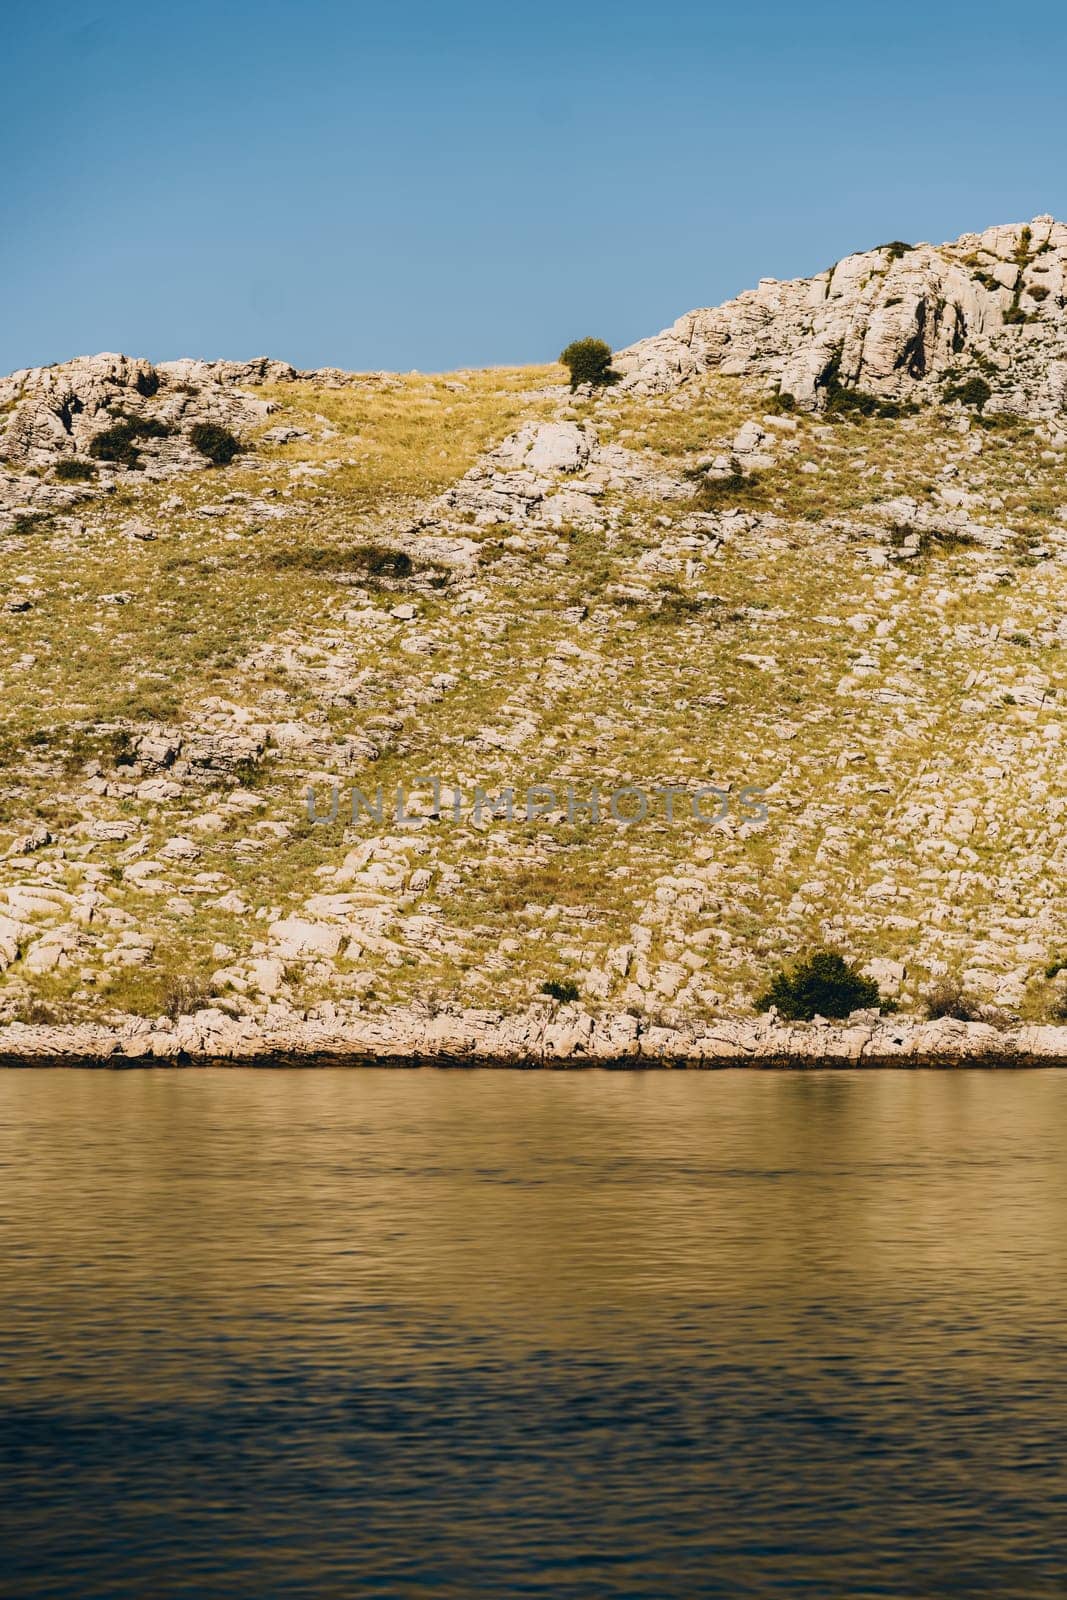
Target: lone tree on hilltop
(589, 361)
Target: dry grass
(745, 666)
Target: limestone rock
(893, 321)
(549, 447)
(296, 939)
(48, 414)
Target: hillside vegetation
(485, 578)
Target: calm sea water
(422, 1334)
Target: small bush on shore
(183, 995)
(35, 1013)
(589, 361)
(823, 984)
(948, 999)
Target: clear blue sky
(416, 184)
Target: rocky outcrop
(56, 412)
(551, 474)
(50, 416)
(896, 322)
(265, 370)
(542, 1036)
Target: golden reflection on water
(752, 1279)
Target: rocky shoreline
(539, 1037)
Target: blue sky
(433, 185)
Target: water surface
(447, 1334)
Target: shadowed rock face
(894, 322)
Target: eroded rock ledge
(542, 1036)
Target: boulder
(297, 939)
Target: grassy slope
(914, 810)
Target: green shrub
(973, 392)
(896, 248)
(677, 606)
(31, 522)
(959, 333)
(1004, 421)
(150, 427)
(381, 562)
(70, 470)
(372, 560)
(34, 1013)
(589, 361)
(714, 492)
(113, 746)
(119, 442)
(823, 984)
(842, 402)
(782, 404)
(217, 443)
(845, 402)
(564, 989)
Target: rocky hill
(896, 322)
(759, 649)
